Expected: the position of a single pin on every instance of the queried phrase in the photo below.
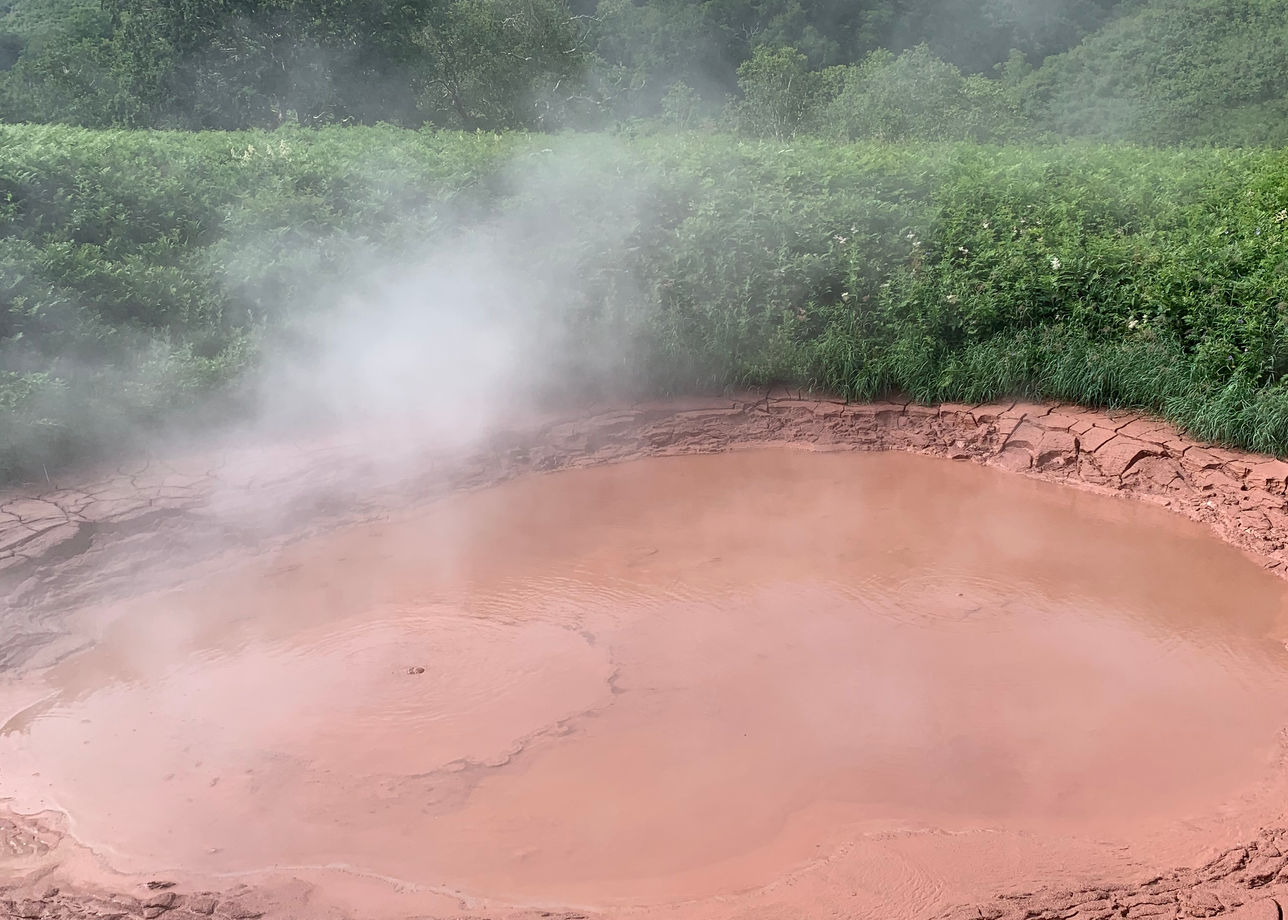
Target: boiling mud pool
(669, 679)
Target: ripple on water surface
(668, 679)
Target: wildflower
(845, 296)
(916, 244)
(1281, 216)
(963, 250)
(1055, 263)
(1133, 324)
(986, 225)
(952, 298)
(840, 239)
(910, 236)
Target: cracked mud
(762, 684)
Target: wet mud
(761, 683)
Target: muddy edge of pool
(71, 543)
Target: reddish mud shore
(154, 526)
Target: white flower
(1055, 263)
(1281, 216)
(952, 298)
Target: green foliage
(263, 63)
(143, 275)
(682, 106)
(37, 21)
(1205, 71)
(644, 49)
(77, 80)
(916, 96)
(230, 64)
(498, 63)
(779, 92)
(887, 97)
(1144, 71)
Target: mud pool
(677, 679)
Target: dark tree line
(258, 63)
(1158, 71)
(464, 63)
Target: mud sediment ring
(63, 546)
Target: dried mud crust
(241, 903)
(54, 904)
(1244, 883)
(71, 543)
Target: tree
(245, 63)
(645, 48)
(778, 92)
(917, 96)
(499, 63)
(62, 65)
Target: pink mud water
(881, 678)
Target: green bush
(916, 96)
(146, 276)
(779, 92)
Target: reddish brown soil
(62, 547)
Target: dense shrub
(145, 273)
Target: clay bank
(656, 661)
